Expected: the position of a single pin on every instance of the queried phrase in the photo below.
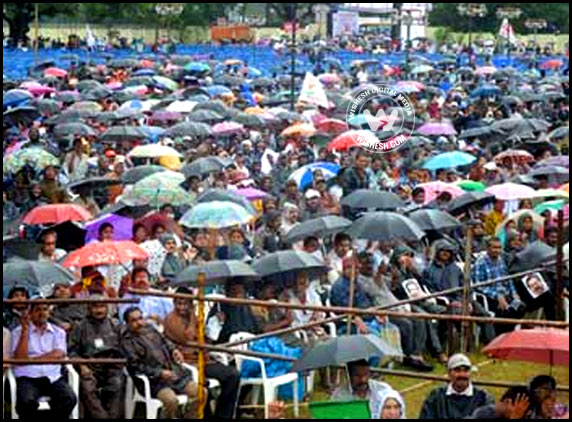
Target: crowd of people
(75, 143)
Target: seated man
(66, 315)
(37, 338)
(102, 386)
(149, 353)
(358, 386)
(460, 398)
(12, 312)
(180, 328)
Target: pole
(294, 23)
(466, 326)
(36, 32)
(352, 292)
(560, 268)
(201, 341)
(408, 47)
(65, 361)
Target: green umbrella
(155, 192)
(555, 205)
(471, 186)
(423, 68)
(167, 83)
(216, 215)
(168, 177)
(35, 157)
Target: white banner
(313, 92)
(345, 23)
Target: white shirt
(452, 392)
(58, 254)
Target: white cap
(458, 360)
(491, 166)
(312, 193)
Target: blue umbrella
(144, 72)
(254, 73)
(153, 132)
(218, 90)
(449, 160)
(304, 176)
(15, 97)
(486, 91)
(197, 67)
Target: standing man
(459, 398)
(37, 338)
(101, 386)
(356, 177)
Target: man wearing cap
(459, 398)
(312, 207)
(101, 386)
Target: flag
(507, 32)
(313, 92)
(90, 39)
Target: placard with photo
(535, 284)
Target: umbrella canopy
(39, 276)
(155, 192)
(320, 227)
(486, 91)
(332, 126)
(154, 151)
(371, 199)
(216, 272)
(437, 129)
(36, 158)
(536, 254)
(56, 213)
(21, 114)
(434, 189)
(552, 206)
(93, 183)
(73, 129)
(299, 129)
(216, 215)
(546, 346)
(555, 175)
(16, 97)
(135, 174)
(558, 161)
(345, 349)
(385, 226)
(470, 199)
(189, 129)
(478, 132)
(104, 253)
(181, 106)
(511, 191)
(559, 133)
(433, 220)
(204, 166)
(227, 196)
(56, 72)
(304, 176)
(165, 83)
(21, 248)
(205, 116)
(123, 133)
(514, 155)
(227, 128)
(449, 160)
(252, 194)
(352, 139)
(287, 261)
(122, 227)
(471, 186)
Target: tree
(18, 17)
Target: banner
(313, 92)
(345, 23)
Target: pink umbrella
(227, 128)
(434, 189)
(55, 71)
(114, 85)
(329, 78)
(41, 90)
(486, 70)
(511, 191)
(416, 84)
(252, 194)
(514, 155)
(437, 129)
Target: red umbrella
(152, 220)
(57, 213)
(55, 71)
(551, 64)
(105, 253)
(352, 138)
(548, 346)
(514, 155)
(334, 126)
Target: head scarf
(380, 393)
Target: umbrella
(105, 253)
(329, 78)
(437, 129)
(385, 226)
(123, 133)
(48, 107)
(320, 227)
(189, 129)
(511, 191)
(434, 189)
(332, 126)
(565, 187)
(304, 176)
(287, 261)
(514, 155)
(56, 72)
(546, 346)
(215, 273)
(21, 114)
(21, 248)
(470, 199)
(197, 67)
(205, 116)
(423, 68)
(92, 183)
(351, 139)
(38, 276)
(471, 186)
(56, 213)
(88, 84)
(481, 131)
(448, 160)
(86, 106)
(70, 235)
(96, 94)
(485, 70)
(227, 128)
(227, 196)
(433, 220)
(551, 193)
(486, 91)
(181, 106)
(557, 161)
(252, 194)
(559, 133)
(215, 105)
(535, 255)
(122, 227)
(366, 198)
(216, 215)
(299, 129)
(555, 205)
(71, 115)
(16, 97)
(251, 120)
(551, 64)
(137, 173)
(37, 88)
(156, 192)
(555, 175)
(165, 83)
(73, 129)
(204, 165)
(519, 125)
(167, 117)
(153, 151)
(218, 90)
(345, 349)
(37, 158)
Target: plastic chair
(269, 385)
(73, 381)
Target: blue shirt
(340, 296)
(485, 269)
(149, 305)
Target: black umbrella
(66, 97)
(23, 114)
(73, 129)
(14, 246)
(557, 175)
(70, 116)
(123, 133)
(226, 195)
(534, 255)
(287, 261)
(345, 349)
(135, 174)
(97, 94)
(262, 82)
(38, 276)
(93, 183)
(365, 198)
(127, 63)
(385, 226)
(195, 129)
(320, 227)
(126, 210)
(469, 199)
(433, 220)
(216, 272)
(250, 120)
(70, 235)
(204, 166)
(48, 107)
(215, 105)
(482, 131)
(88, 84)
(206, 116)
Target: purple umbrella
(165, 116)
(437, 129)
(252, 194)
(558, 161)
(123, 227)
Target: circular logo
(383, 117)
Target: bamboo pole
(354, 311)
(466, 326)
(65, 361)
(201, 340)
(78, 301)
(560, 267)
(36, 32)
(352, 291)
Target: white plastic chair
(73, 381)
(269, 385)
